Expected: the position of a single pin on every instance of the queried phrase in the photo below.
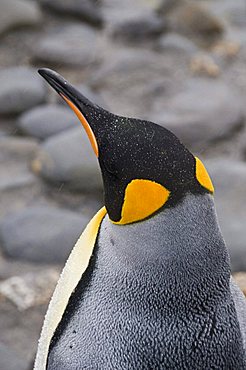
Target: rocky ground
(179, 63)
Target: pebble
(41, 234)
(229, 178)
(226, 49)
(20, 333)
(240, 278)
(18, 13)
(20, 330)
(9, 268)
(68, 158)
(202, 111)
(116, 11)
(46, 120)
(141, 28)
(18, 185)
(30, 289)
(86, 10)
(72, 45)
(127, 81)
(194, 19)
(20, 193)
(20, 89)
(232, 11)
(10, 360)
(173, 42)
(203, 64)
(17, 149)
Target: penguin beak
(76, 101)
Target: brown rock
(31, 289)
(193, 18)
(202, 64)
(240, 278)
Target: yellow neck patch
(142, 198)
(202, 176)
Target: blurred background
(179, 63)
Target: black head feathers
(144, 166)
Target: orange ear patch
(203, 176)
(85, 124)
(142, 198)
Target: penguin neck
(180, 245)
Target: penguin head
(144, 166)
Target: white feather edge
(75, 266)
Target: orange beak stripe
(85, 124)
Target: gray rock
(173, 42)
(16, 13)
(18, 185)
(116, 11)
(142, 28)
(19, 194)
(133, 21)
(86, 10)
(167, 5)
(203, 111)
(20, 89)
(10, 360)
(236, 35)
(9, 268)
(17, 150)
(68, 158)
(16, 177)
(232, 11)
(229, 178)
(41, 234)
(46, 120)
(20, 332)
(71, 45)
(8, 125)
(2, 133)
(128, 79)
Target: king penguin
(148, 285)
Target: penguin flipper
(75, 266)
(240, 305)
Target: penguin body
(148, 286)
(136, 311)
